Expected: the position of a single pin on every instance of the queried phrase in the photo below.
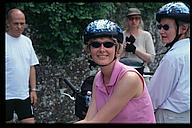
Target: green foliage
(148, 10)
(56, 28)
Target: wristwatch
(33, 89)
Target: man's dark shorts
(22, 108)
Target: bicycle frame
(79, 96)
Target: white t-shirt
(19, 56)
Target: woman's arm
(149, 54)
(146, 57)
(128, 87)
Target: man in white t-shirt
(20, 59)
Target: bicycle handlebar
(148, 73)
(71, 86)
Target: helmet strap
(112, 60)
(169, 45)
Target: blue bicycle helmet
(103, 28)
(176, 10)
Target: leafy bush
(56, 28)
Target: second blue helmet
(176, 10)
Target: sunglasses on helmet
(165, 27)
(107, 44)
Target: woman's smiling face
(102, 50)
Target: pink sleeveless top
(138, 110)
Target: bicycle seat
(139, 66)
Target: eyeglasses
(134, 18)
(165, 26)
(106, 44)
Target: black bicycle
(80, 96)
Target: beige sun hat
(133, 11)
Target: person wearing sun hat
(138, 43)
(133, 11)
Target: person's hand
(33, 96)
(81, 121)
(130, 39)
(130, 48)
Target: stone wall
(53, 106)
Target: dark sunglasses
(106, 44)
(165, 26)
(134, 18)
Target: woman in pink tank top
(119, 93)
